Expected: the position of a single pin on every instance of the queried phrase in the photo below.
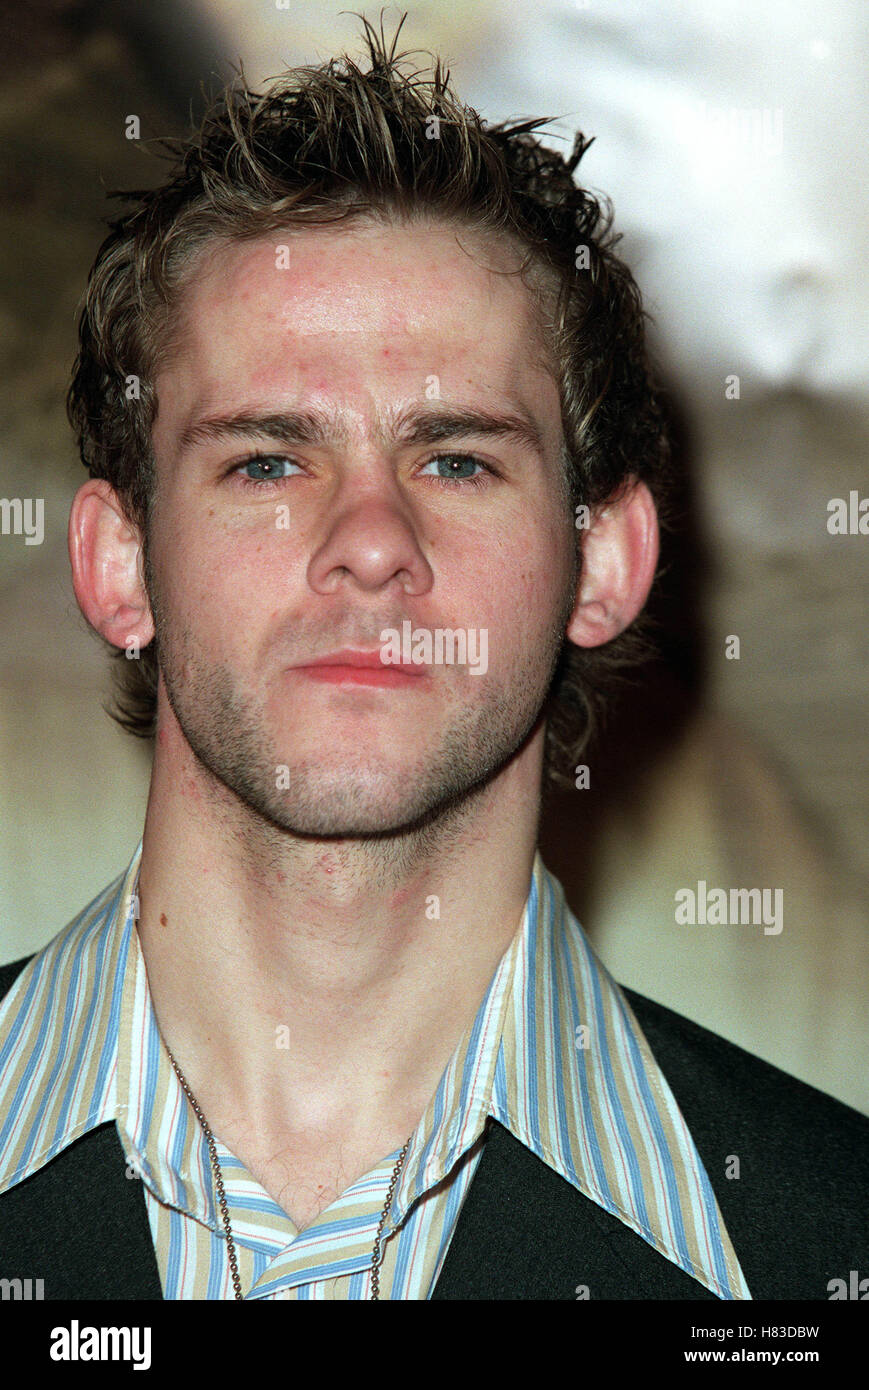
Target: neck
(305, 982)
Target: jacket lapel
(80, 1224)
(524, 1232)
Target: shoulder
(61, 1003)
(789, 1165)
(712, 1074)
(9, 973)
(89, 931)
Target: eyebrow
(409, 426)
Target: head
(358, 250)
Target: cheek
(534, 569)
(211, 580)
(220, 542)
(519, 602)
(542, 590)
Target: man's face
(374, 334)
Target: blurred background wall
(731, 139)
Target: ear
(620, 555)
(105, 552)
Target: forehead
(360, 306)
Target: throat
(305, 1184)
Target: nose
(371, 542)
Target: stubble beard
(399, 812)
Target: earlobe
(104, 552)
(620, 557)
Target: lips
(362, 660)
(350, 667)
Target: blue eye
(452, 475)
(272, 469)
(267, 466)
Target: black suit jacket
(798, 1214)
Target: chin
(342, 801)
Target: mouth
(361, 668)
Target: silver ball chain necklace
(224, 1208)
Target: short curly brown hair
(332, 142)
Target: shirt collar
(59, 1034)
(554, 1054)
(577, 1083)
(557, 1056)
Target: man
(376, 467)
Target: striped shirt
(555, 1054)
